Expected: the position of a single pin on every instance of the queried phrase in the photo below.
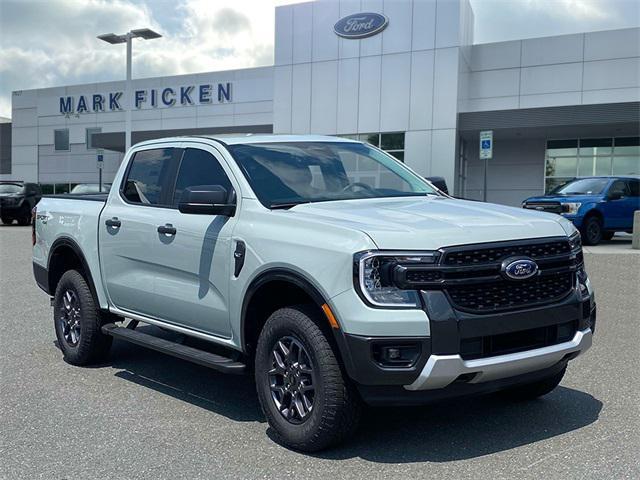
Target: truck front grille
(472, 277)
(553, 207)
(506, 294)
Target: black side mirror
(207, 200)
(439, 183)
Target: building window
(89, 136)
(61, 139)
(587, 157)
(392, 143)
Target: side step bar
(206, 359)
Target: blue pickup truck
(598, 206)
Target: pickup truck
(598, 206)
(327, 269)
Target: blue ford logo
(519, 269)
(360, 25)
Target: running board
(206, 359)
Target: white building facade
(416, 86)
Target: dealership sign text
(204, 94)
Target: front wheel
(77, 322)
(592, 231)
(7, 220)
(304, 394)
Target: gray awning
(115, 140)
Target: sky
(46, 43)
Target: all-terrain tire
(74, 304)
(592, 231)
(336, 405)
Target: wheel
(534, 390)
(25, 218)
(7, 220)
(77, 322)
(608, 235)
(307, 399)
(592, 231)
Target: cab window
(199, 167)
(147, 181)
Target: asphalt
(145, 415)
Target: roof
(250, 138)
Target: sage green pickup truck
(324, 267)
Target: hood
(430, 223)
(565, 198)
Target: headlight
(570, 208)
(374, 277)
(575, 241)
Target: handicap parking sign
(486, 144)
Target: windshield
(286, 174)
(585, 186)
(10, 188)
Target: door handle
(167, 229)
(113, 222)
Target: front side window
(147, 179)
(619, 187)
(286, 174)
(199, 167)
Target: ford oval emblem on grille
(519, 268)
(360, 25)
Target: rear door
(127, 229)
(193, 284)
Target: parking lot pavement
(144, 415)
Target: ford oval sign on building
(360, 25)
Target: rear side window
(199, 167)
(147, 181)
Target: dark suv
(16, 201)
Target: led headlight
(374, 277)
(570, 208)
(575, 241)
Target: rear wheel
(534, 390)
(307, 399)
(77, 322)
(592, 230)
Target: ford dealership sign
(360, 25)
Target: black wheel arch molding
(67, 242)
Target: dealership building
(404, 75)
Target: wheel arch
(65, 254)
(258, 304)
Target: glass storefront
(587, 157)
(392, 142)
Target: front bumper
(446, 365)
(442, 370)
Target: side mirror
(615, 195)
(207, 200)
(439, 183)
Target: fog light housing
(399, 356)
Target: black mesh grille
(495, 254)
(506, 294)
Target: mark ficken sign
(204, 94)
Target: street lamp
(113, 39)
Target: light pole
(127, 38)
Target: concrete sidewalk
(620, 243)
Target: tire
(25, 218)
(534, 390)
(592, 231)
(77, 322)
(608, 235)
(335, 405)
(7, 220)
